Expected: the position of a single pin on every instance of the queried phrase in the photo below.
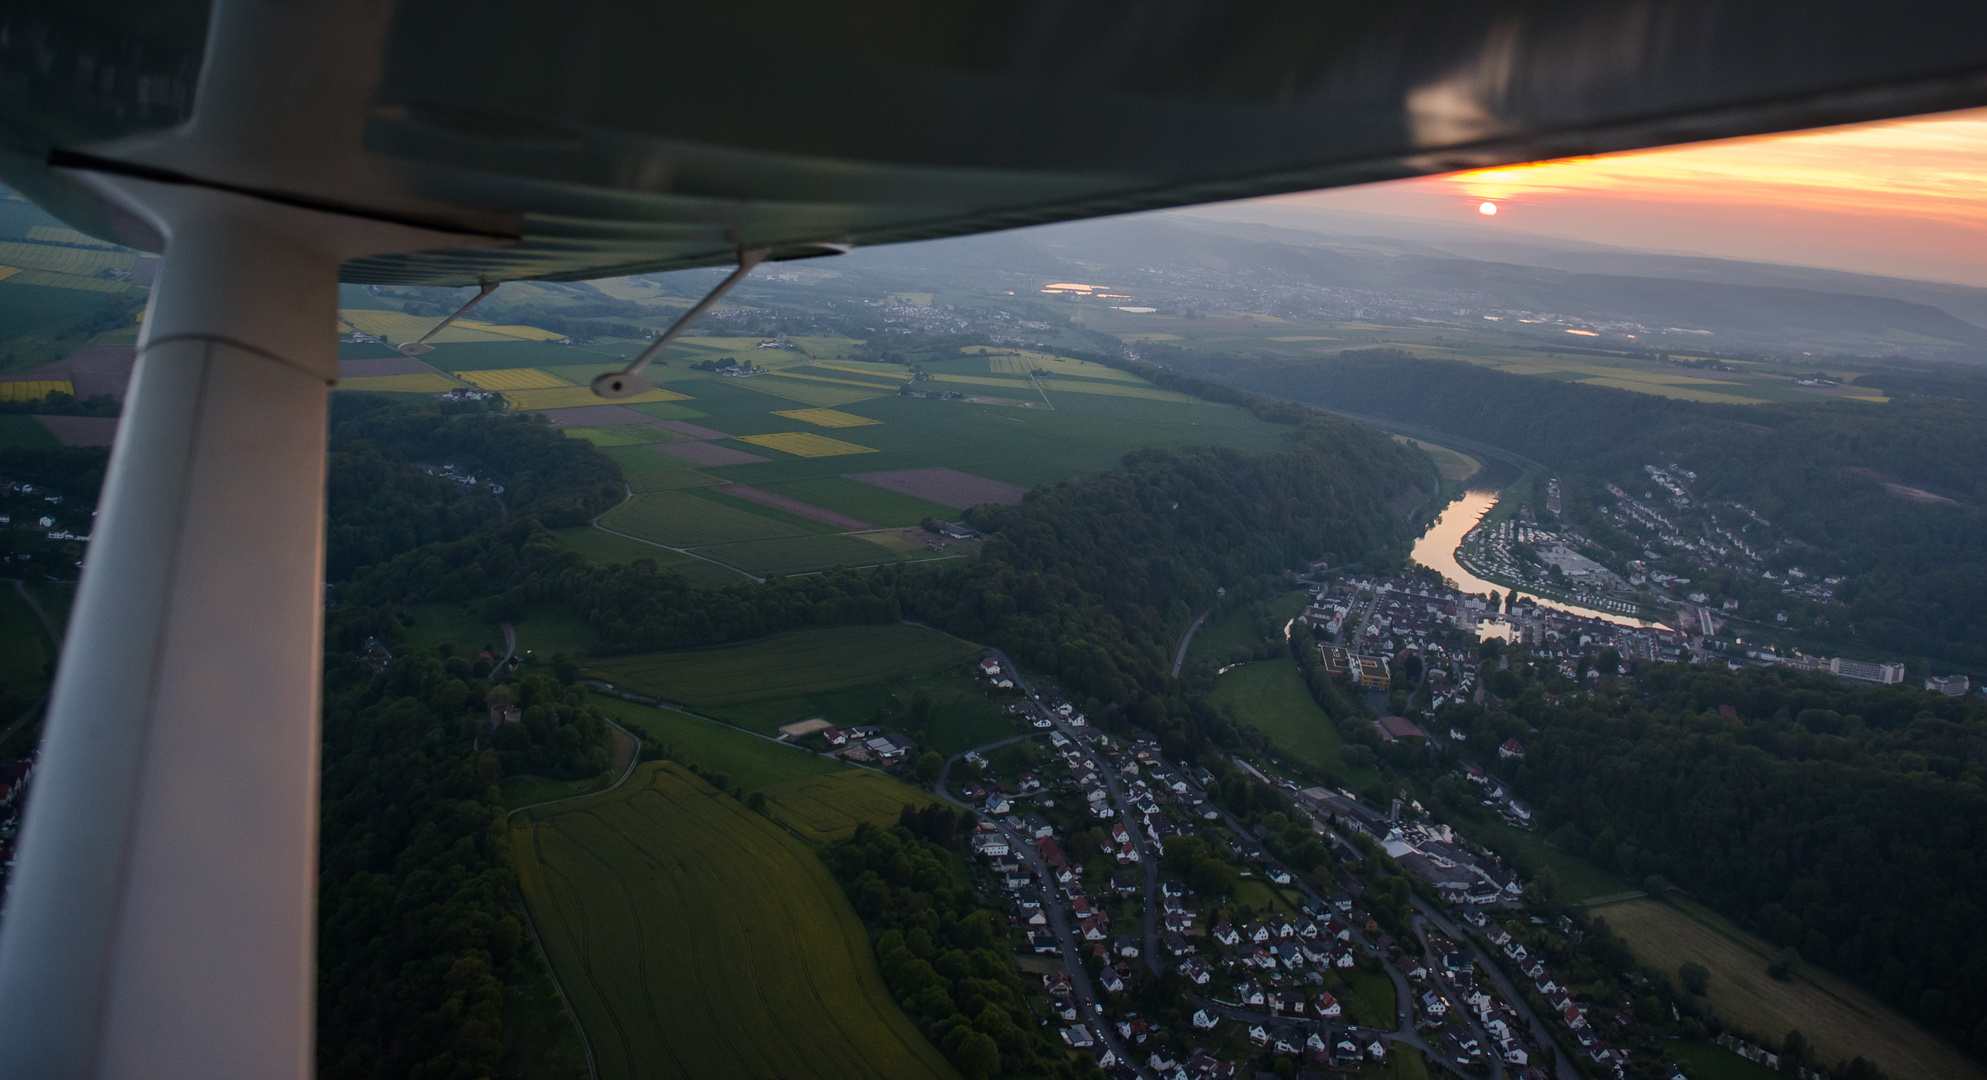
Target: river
(1437, 550)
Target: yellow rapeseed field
(806, 444)
(828, 418)
(512, 379)
(33, 390)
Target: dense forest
(424, 969)
(1845, 823)
(1916, 567)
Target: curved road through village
(1071, 947)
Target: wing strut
(627, 382)
(420, 344)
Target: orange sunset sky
(1906, 198)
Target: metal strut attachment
(420, 345)
(627, 381)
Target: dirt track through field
(795, 506)
(946, 487)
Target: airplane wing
(161, 921)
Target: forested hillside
(1917, 565)
(1093, 579)
(1844, 823)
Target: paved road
(1148, 852)
(1448, 994)
(510, 646)
(1180, 654)
(1082, 992)
(1564, 1068)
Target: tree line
(1846, 824)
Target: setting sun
(1488, 209)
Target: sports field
(784, 665)
(1840, 1021)
(695, 938)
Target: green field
(695, 938)
(27, 654)
(866, 501)
(786, 665)
(1369, 998)
(847, 676)
(452, 624)
(17, 429)
(548, 631)
(1270, 696)
(800, 554)
(684, 519)
(1840, 1021)
(1261, 896)
(827, 808)
(1220, 637)
(1709, 1061)
(750, 762)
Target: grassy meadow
(696, 938)
(1840, 1021)
(846, 675)
(1270, 696)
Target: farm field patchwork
(696, 938)
(962, 715)
(1840, 1021)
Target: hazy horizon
(1898, 198)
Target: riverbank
(1436, 549)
